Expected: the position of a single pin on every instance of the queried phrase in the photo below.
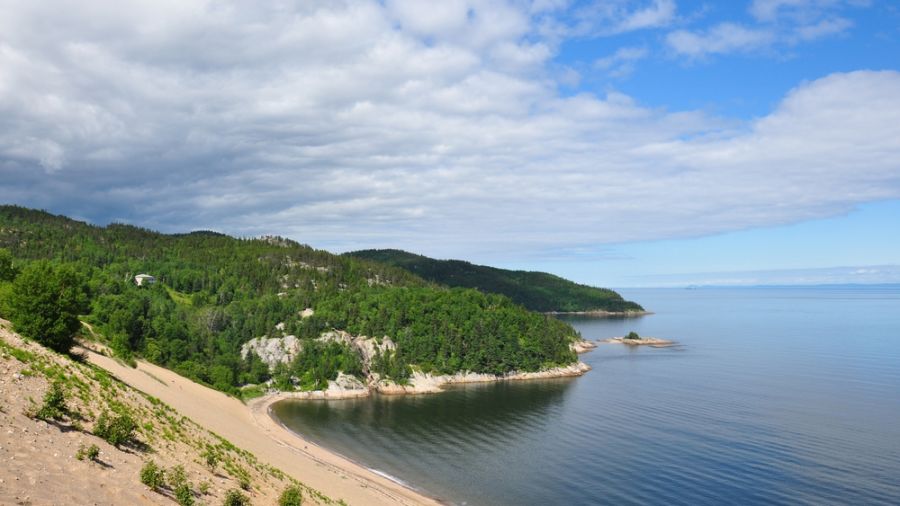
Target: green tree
(46, 299)
(7, 270)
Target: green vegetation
(45, 301)
(153, 476)
(632, 335)
(235, 498)
(184, 495)
(292, 496)
(54, 407)
(91, 453)
(537, 291)
(319, 362)
(214, 293)
(434, 329)
(7, 269)
(117, 430)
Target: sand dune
(251, 428)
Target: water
(776, 395)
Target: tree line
(215, 292)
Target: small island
(633, 339)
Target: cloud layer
(363, 124)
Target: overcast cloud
(434, 128)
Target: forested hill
(537, 291)
(215, 292)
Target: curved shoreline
(265, 420)
(251, 428)
(421, 383)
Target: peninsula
(537, 291)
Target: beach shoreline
(265, 420)
(252, 428)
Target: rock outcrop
(272, 350)
(421, 383)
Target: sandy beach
(251, 427)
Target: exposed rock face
(272, 350)
(365, 346)
(344, 387)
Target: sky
(617, 143)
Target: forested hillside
(216, 292)
(537, 291)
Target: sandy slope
(38, 464)
(253, 430)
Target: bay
(787, 395)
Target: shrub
(54, 407)
(203, 487)
(183, 494)
(632, 335)
(153, 476)
(212, 460)
(93, 452)
(177, 476)
(116, 431)
(292, 496)
(234, 497)
(245, 483)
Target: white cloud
(605, 18)
(332, 123)
(768, 10)
(799, 10)
(823, 28)
(659, 13)
(781, 23)
(721, 38)
(622, 62)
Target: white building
(144, 279)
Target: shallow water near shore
(774, 395)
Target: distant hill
(214, 293)
(538, 291)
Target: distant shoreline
(421, 383)
(600, 313)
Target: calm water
(786, 395)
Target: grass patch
(179, 297)
(252, 392)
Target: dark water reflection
(785, 396)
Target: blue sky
(859, 247)
(741, 83)
(616, 142)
